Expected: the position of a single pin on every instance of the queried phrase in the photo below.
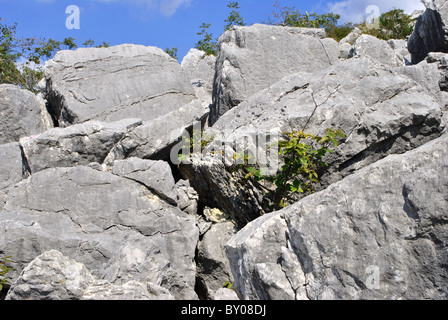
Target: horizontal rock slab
(79, 144)
(101, 220)
(156, 139)
(110, 84)
(253, 58)
(22, 114)
(377, 234)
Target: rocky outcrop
(113, 224)
(51, 276)
(213, 266)
(253, 58)
(374, 48)
(381, 111)
(378, 234)
(100, 207)
(79, 144)
(430, 32)
(22, 114)
(111, 84)
(200, 69)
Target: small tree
(3, 271)
(206, 44)
(394, 24)
(292, 17)
(172, 52)
(235, 18)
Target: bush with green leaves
(234, 18)
(394, 24)
(302, 154)
(4, 269)
(21, 58)
(172, 52)
(206, 44)
(291, 17)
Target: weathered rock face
(213, 266)
(22, 114)
(374, 48)
(51, 276)
(111, 84)
(114, 225)
(430, 32)
(155, 139)
(200, 69)
(253, 58)
(380, 233)
(79, 144)
(12, 169)
(381, 111)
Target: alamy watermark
(73, 21)
(373, 18)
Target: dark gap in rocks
(4, 291)
(26, 170)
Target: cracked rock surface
(386, 240)
(114, 83)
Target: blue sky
(161, 23)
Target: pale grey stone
(22, 114)
(110, 84)
(377, 234)
(253, 58)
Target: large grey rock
(111, 84)
(430, 31)
(200, 69)
(253, 58)
(431, 73)
(155, 139)
(155, 175)
(212, 264)
(381, 111)
(115, 226)
(12, 169)
(51, 276)
(380, 233)
(21, 114)
(79, 144)
(379, 50)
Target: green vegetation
(195, 143)
(303, 155)
(292, 17)
(234, 18)
(206, 44)
(172, 52)
(21, 58)
(3, 271)
(394, 24)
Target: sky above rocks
(162, 23)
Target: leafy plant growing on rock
(3, 271)
(303, 155)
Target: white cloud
(355, 10)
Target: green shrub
(394, 24)
(206, 44)
(234, 18)
(292, 17)
(303, 155)
(3, 271)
